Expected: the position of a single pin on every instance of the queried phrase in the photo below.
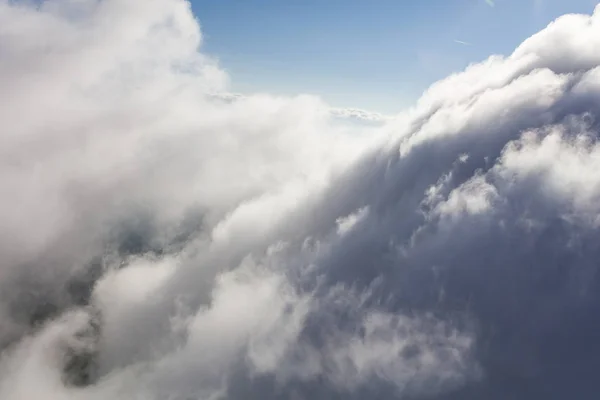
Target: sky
(375, 55)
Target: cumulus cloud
(163, 242)
(351, 114)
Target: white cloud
(345, 224)
(258, 246)
(352, 114)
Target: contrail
(490, 3)
(462, 42)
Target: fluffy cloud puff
(161, 243)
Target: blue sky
(377, 55)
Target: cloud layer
(160, 243)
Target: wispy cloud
(462, 42)
(490, 3)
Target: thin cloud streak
(462, 42)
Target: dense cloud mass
(161, 243)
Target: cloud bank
(160, 243)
